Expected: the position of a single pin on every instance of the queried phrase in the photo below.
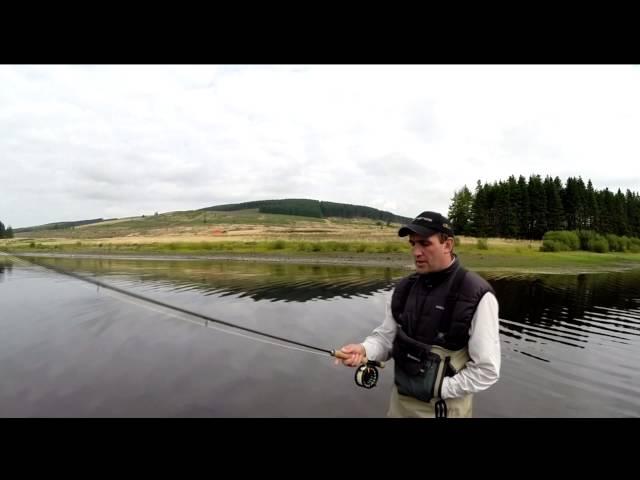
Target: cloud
(94, 141)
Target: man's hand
(356, 353)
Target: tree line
(61, 225)
(5, 232)
(313, 208)
(527, 208)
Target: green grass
(267, 246)
(517, 256)
(531, 259)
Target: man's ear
(448, 245)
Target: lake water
(570, 344)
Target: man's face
(429, 254)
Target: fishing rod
(366, 374)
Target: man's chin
(422, 268)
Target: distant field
(215, 226)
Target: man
(441, 327)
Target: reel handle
(343, 356)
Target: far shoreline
(393, 260)
(372, 260)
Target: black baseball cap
(427, 223)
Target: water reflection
(571, 310)
(6, 266)
(258, 281)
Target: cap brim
(408, 229)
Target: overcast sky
(80, 142)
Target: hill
(312, 208)
(268, 219)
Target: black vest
(431, 309)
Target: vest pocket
(416, 377)
(416, 367)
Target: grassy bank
(205, 247)
(507, 255)
(532, 260)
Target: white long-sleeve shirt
(482, 371)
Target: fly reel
(367, 375)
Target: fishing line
(206, 325)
